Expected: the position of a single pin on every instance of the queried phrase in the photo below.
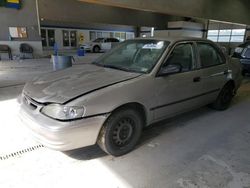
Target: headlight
(61, 112)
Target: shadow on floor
(86, 153)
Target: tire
(96, 49)
(121, 132)
(225, 97)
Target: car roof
(174, 39)
(106, 38)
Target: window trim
(74, 39)
(47, 39)
(54, 33)
(63, 37)
(69, 32)
(222, 35)
(195, 63)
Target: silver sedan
(137, 83)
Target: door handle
(197, 79)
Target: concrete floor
(199, 149)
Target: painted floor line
(21, 152)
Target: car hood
(67, 84)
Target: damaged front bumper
(60, 135)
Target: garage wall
(14, 45)
(179, 33)
(182, 29)
(59, 38)
(25, 17)
(85, 32)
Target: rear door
(114, 42)
(214, 69)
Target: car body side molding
(183, 100)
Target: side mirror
(170, 69)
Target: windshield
(134, 55)
(98, 40)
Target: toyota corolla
(137, 83)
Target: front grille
(31, 104)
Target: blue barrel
(81, 51)
(61, 62)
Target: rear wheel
(96, 49)
(225, 97)
(121, 132)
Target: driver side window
(182, 56)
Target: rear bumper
(59, 135)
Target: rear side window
(114, 40)
(209, 55)
(108, 40)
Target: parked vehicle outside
(243, 53)
(137, 83)
(100, 44)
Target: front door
(179, 92)
(106, 45)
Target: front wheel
(225, 97)
(121, 132)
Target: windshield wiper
(121, 68)
(116, 67)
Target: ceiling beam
(223, 10)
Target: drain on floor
(21, 152)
